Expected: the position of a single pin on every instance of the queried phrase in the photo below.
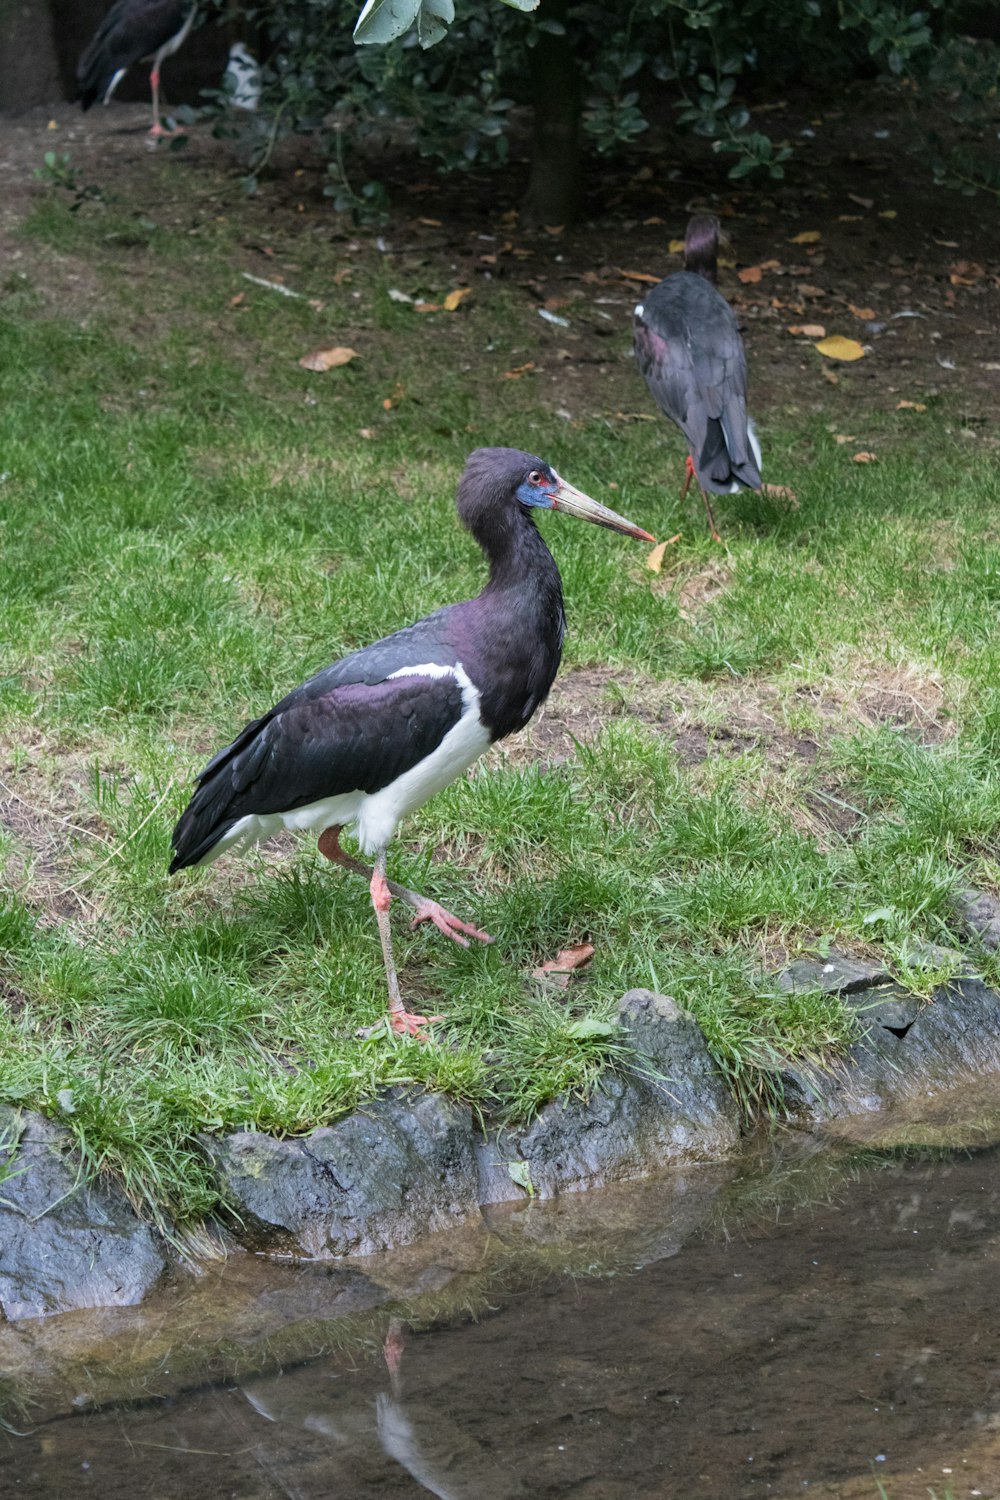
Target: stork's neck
(518, 558)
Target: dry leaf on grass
(518, 371)
(638, 276)
(238, 300)
(910, 406)
(866, 314)
(807, 237)
(676, 247)
(866, 458)
(560, 970)
(750, 275)
(844, 437)
(426, 307)
(654, 562)
(780, 492)
(454, 298)
(837, 347)
(327, 359)
(430, 223)
(811, 330)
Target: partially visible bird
(241, 79)
(132, 30)
(689, 350)
(372, 737)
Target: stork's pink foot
(408, 1024)
(444, 921)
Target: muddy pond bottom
(820, 1324)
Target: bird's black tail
(730, 457)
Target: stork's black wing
(689, 351)
(131, 29)
(352, 727)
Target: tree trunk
(553, 195)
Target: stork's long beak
(575, 503)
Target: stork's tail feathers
(727, 464)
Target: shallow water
(812, 1323)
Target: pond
(817, 1320)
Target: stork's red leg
(400, 1019)
(425, 909)
(711, 519)
(689, 474)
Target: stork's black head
(500, 487)
(701, 246)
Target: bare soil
(910, 270)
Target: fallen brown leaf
(780, 492)
(910, 406)
(866, 458)
(559, 970)
(806, 289)
(638, 276)
(750, 275)
(654, 562)
(866, 314)
(344, 274)
(811, 330)
(327, 359)
(844, 437)
(431, 223)
(426, 307)
(676, 247)
(238, 300)
(837, 347)
(518, 371)
(454, 298)
(807, 237)
(887, 213)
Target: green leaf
(433, 21)
(382, 21)
(520, 1173)
(880, 914)
(589, 1026)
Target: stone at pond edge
(397, 1168)
(64, 1244)
(672, 1107)
(909, 1046)
(979, 915)
(836, 974)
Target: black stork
(688, 347)
(372, 737)
(131, 30)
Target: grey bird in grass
(689, 351)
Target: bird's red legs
(689, 474)
(400, 1019)
(382, 892)
(392, 1351)
(158, 131)
(425, 909)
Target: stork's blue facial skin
(538, 489)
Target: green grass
(190, 524)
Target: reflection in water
(817, 1348)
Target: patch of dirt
(43, 825)
(922, 261)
